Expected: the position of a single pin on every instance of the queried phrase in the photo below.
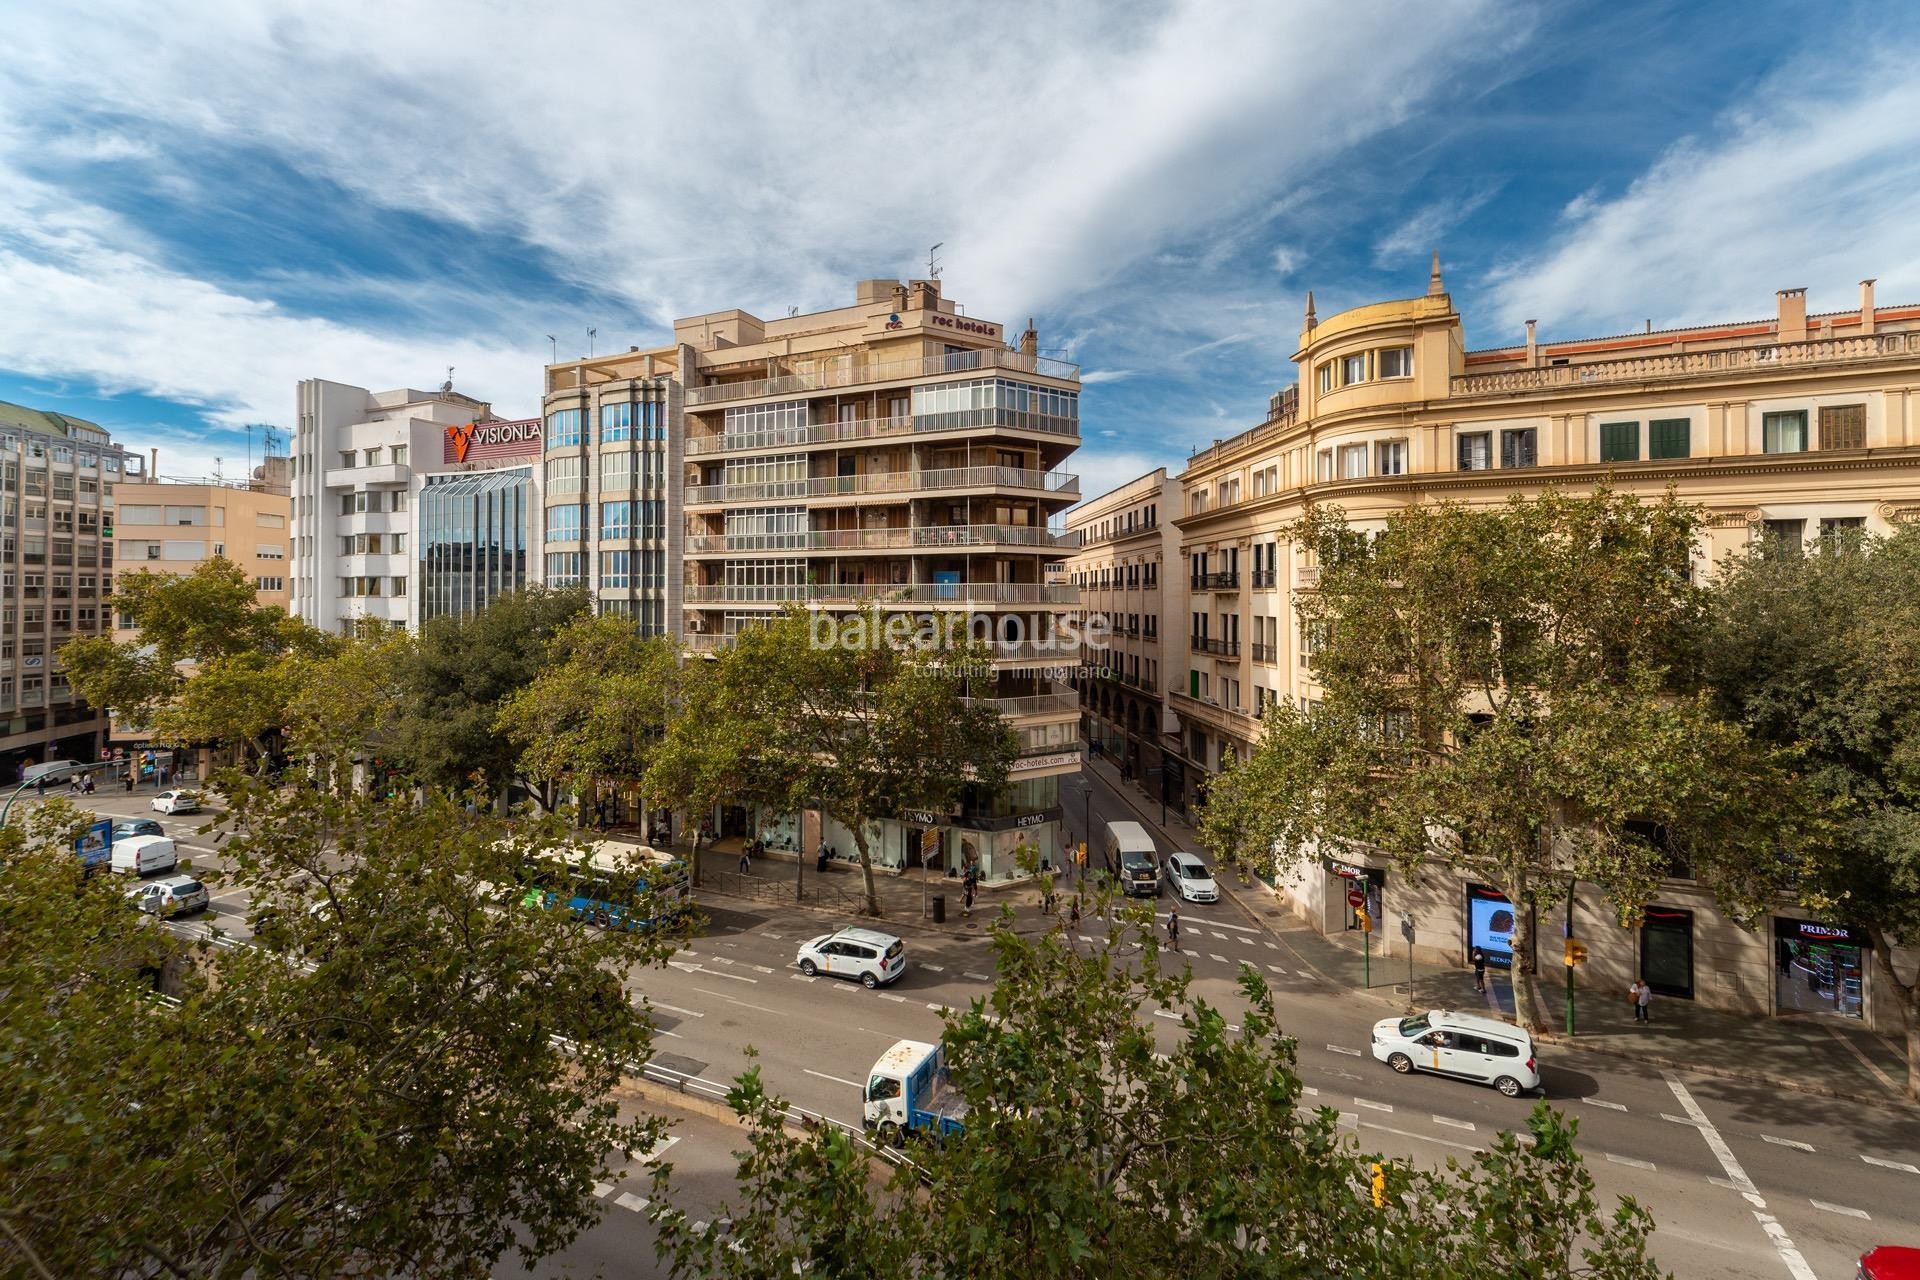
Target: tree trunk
(694, 871)
(1526, 974)
(1909, 1006)
(859, 825)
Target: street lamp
(61, 773)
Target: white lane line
(1351, 1053)
(977, 977)
(700, 1227)
(802, 977)
(1213, 955)
(628, 1200)
(1245, 942)
(723, 959)
(1602, 1102)
(674, 1008)
(1681, 1119)
(1786, 1142)
(731, 977)
(660, 1148)
(934, 968)
(721, 995)
(841, 986)
(888, 995)
(761, 968)
(1168, 1014)
(1629, 1160)
(601, 1190)
(1349, 1119)
(1309, 1091)
(1840, 1208)
(1782, 1242)
(937, 1007)
(662, 1031)
(1273, 946)
(1418, 1137)
(1088, 938)
(1277, 969)
(1221, 936)
(1451, 1123)
(1215, 924)
(1873, 1068)
(1891, 1164)
(231, 893)
(852, 1084)
(1377, 1106)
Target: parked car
(867, 954)
(1890, 1262)
(177, 802)
(1191, 879)
(174, 896)
(1463, 1045)
(143, 856)
(137, 827)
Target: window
(616, 520)
(1353, 369)
(1669, 438)
(1789, 534)
(1396, 362)
(370, 457)
(563, 428)
(269, 520)
(563, 475)
(616, 568)
(269, 584)
(566, 568)
(1518, 447)
(399, 455)
(1476, 451)
(1390, 458)
(1326, 376)
(1353, 461)
(1619, 442)
(348, 457)
(616, 471)
(1324, 466)
(564, 523)
(1837, 532)
(268, 551)
(616, 422)
(1843, 426)
(1784, 432)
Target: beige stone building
(1127, 568)
(1792, 426)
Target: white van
(144, 855)
(1463, 1045)
(53, 771)
(1132, 860)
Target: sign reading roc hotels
(475, 441)
(941, 320)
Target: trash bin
(939, 908)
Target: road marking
(1629, 1160)
(1349, 1119)
(1215, 924)
(231, 893)
(934, 968)
(721, 995)
(1377, 1106)
(760, 968)
(1277, 969)
(1309, 1091)
(1212, 955)
(1602, 1102)
(1840, 1208)
(1088, 938)
(853, 1084)
(662, 1031)
(1168, 1014)
(841, 986)
(1351, 1053)
(937, 1007)
(1890, 1164)
(804, 977)
(1682, 1119)
(730, 977)
(888, 995)
(660, 1148)
(1873, 1068)
(1245, 942)
(1786, 1142)
(1418, 1137)
(1273, 946)
(674, 1008)
(1782, 1242)
(977, 977)
(601, 1190)
(723, 959)
(1451, 1123)
(1221, 936)
(700, 1227)
(628, 1200)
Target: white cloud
(1285, 259)
(1416, 239)
(1102, 471)
(1094, 376)
(1812, 189)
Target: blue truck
(908, 1092)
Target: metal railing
(880, 429)
(899, 593)
(1033, 704)
(1690, 364)
(1222, 581)
(844, 373)
(1266, 653)
(1263, 578)
(1219, 648)
(806, 888)
(915, 537)
(886, 482)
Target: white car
(171, 897)
(177, 802)
(1464, 1045)
(867, 954)
(1191, 879)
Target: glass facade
(475, 530)
(563, 428)
(985, 402)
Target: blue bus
(600, 886)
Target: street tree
(1093, 1148)
(712, 751)
(1510, 691)
(408, 1073)
(863, 724)
(1822, 653)
(341, 704)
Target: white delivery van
(144, 855)
(1132, 859)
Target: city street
(1743, 1181)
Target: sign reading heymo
(474, 441)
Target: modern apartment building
(1790, 426)
(57, 480)
(407, 505)
(1127, 567)
(894, 452)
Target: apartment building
(1126, 565)
(407, 505)
(893, 452)
(57, 480)
(1789, 426)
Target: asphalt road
(1743, 1180)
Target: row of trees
(1545, 691)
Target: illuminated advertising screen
(1490, 924)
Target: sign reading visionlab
(473, 441)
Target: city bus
(597, 886)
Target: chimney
(1866, 306)
(1533, 343)
(1030, 340)
(899, 297)
(924, 296)
(1434, 287)
(153, 472)
(1792, 326)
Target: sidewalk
(1809, 1054)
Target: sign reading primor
(473, 441)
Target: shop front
(1819, 968)
(1490, 919)
(991, 843)
(1666, 951)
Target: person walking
(1073, 913)
(1641, 996)
(746, 859)
(86, 784)
(1173, 928)
(969, 883)
(1479, 971)
(129, 778)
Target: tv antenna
(590, 336)
(933, 263)
(792, 312)
(556, 347)
(446, 387)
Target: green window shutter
(1619, 442)
(1193, 684)
(1668, 438)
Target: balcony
(1266, 653)
(884, 594)
(1218, 648)
(1238, 721)
(881, 429)
(914, 538)
(1118, 535)
(1038, 704)
(1263, 579)
(1691, 365)
(854, 375)
(900, 482)
(1225, 581)
(366, 477)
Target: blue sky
(201, 203)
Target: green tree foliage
(1509, 691)
(459, 675)
(376, 1089)
(1091, 1149)
(342, 703)
(712, 751)
(1822, 653)
(858, 724)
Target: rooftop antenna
(590, 337)
(792, 312)
(446, 388)
(933, 263)
(556, 347)
(218, 478)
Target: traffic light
(1576, 952)
(1080, 853)
(1365, 919)
(1379, 1181)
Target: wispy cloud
(1422, 233)
(1093, 376)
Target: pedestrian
(746, 859)
(129, 778)
(1642, 996)
(1073, 912)
(1173, 928)
(86, 784)
(40, 787)
(1783, 955)
(1479, 970)
(966, 892)
(166, 772)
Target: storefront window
(1666, 951)
(1490, 923)
(1819, 968)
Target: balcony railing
(853, 375)
(880, 429)
(1690, 365)
(1264, 578)
(1219, 648)
(1229, 581)
(921, 537)
(902, 482)
(1266, 653)
(919, 593)
(1038, 704)
(1128, 531)
(1181, 697)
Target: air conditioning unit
(696, 624)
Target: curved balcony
(900, 482)
(853, 375)
(915, 538)
(863, 593)
(881, 429)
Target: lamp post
(60, 774)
